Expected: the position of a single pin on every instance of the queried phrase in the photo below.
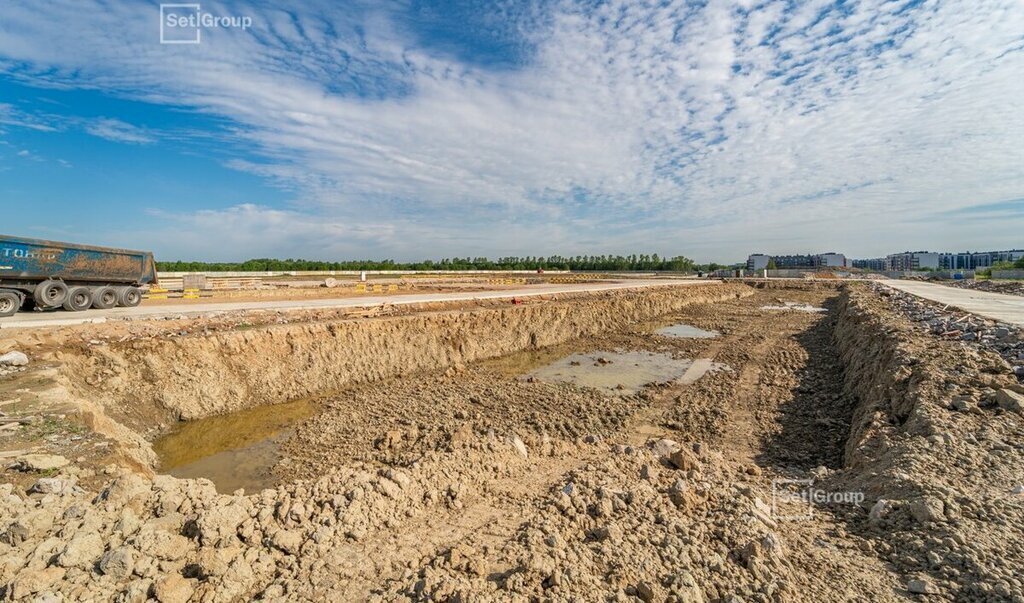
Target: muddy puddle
(623, 372)
(685, 331)
(799, 307)
(238, 450)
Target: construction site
(515, 438)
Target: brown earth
(465, 481)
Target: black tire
(9, 303)
(129, 297)
(79, 298)
(104, 298)
(50, 294)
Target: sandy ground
(480, 482)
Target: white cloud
(709, 130)
(119, 131)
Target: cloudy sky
(416, 129)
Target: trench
(231, 401)
(152, 387)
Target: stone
(219, 525)
(921, 587)
(40, 462)
(960, 403)
(137, 591)
(648, 592)
(173, 589)
(157, 542)
(520, 447)
(879, 511)
(118, 563)
(685, 588)
(684, 460)
(82, 551)
(49, 485)
(680, 494)
(289, 541)
(1010, 400)
(14, 358)
(663, 447)
(611, 532)
(29, 582)
(927, 509)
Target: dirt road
(59, 318)
(997, 306)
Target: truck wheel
(129, 297)
(104, 298)
(79, 298)
(50, 294)
(9, 303)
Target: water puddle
(685, 331)
(794, 306)
(621, 372)
(234, 451)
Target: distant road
(997, 306)
(59, 318)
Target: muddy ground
(478, 482)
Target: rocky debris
(50, 485)
(921, 587)
(1007, 340)
(118, 563)
(83, 551)
(1010, 400)
(14, 358)
(173, 588)
(605, 535)
(40, 462)
(1006, 287)
(935, 446)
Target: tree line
(604, 263)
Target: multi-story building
(871, 264)
(760, 261)
(831, 260)
(913, 260)
(977, 260)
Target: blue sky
(420, 129)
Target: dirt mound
(936, 453)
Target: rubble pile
(1005, 339)
(1005, 287)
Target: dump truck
(48, 274)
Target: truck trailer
(49, 274)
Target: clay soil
(477, 483)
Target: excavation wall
(201, 375)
